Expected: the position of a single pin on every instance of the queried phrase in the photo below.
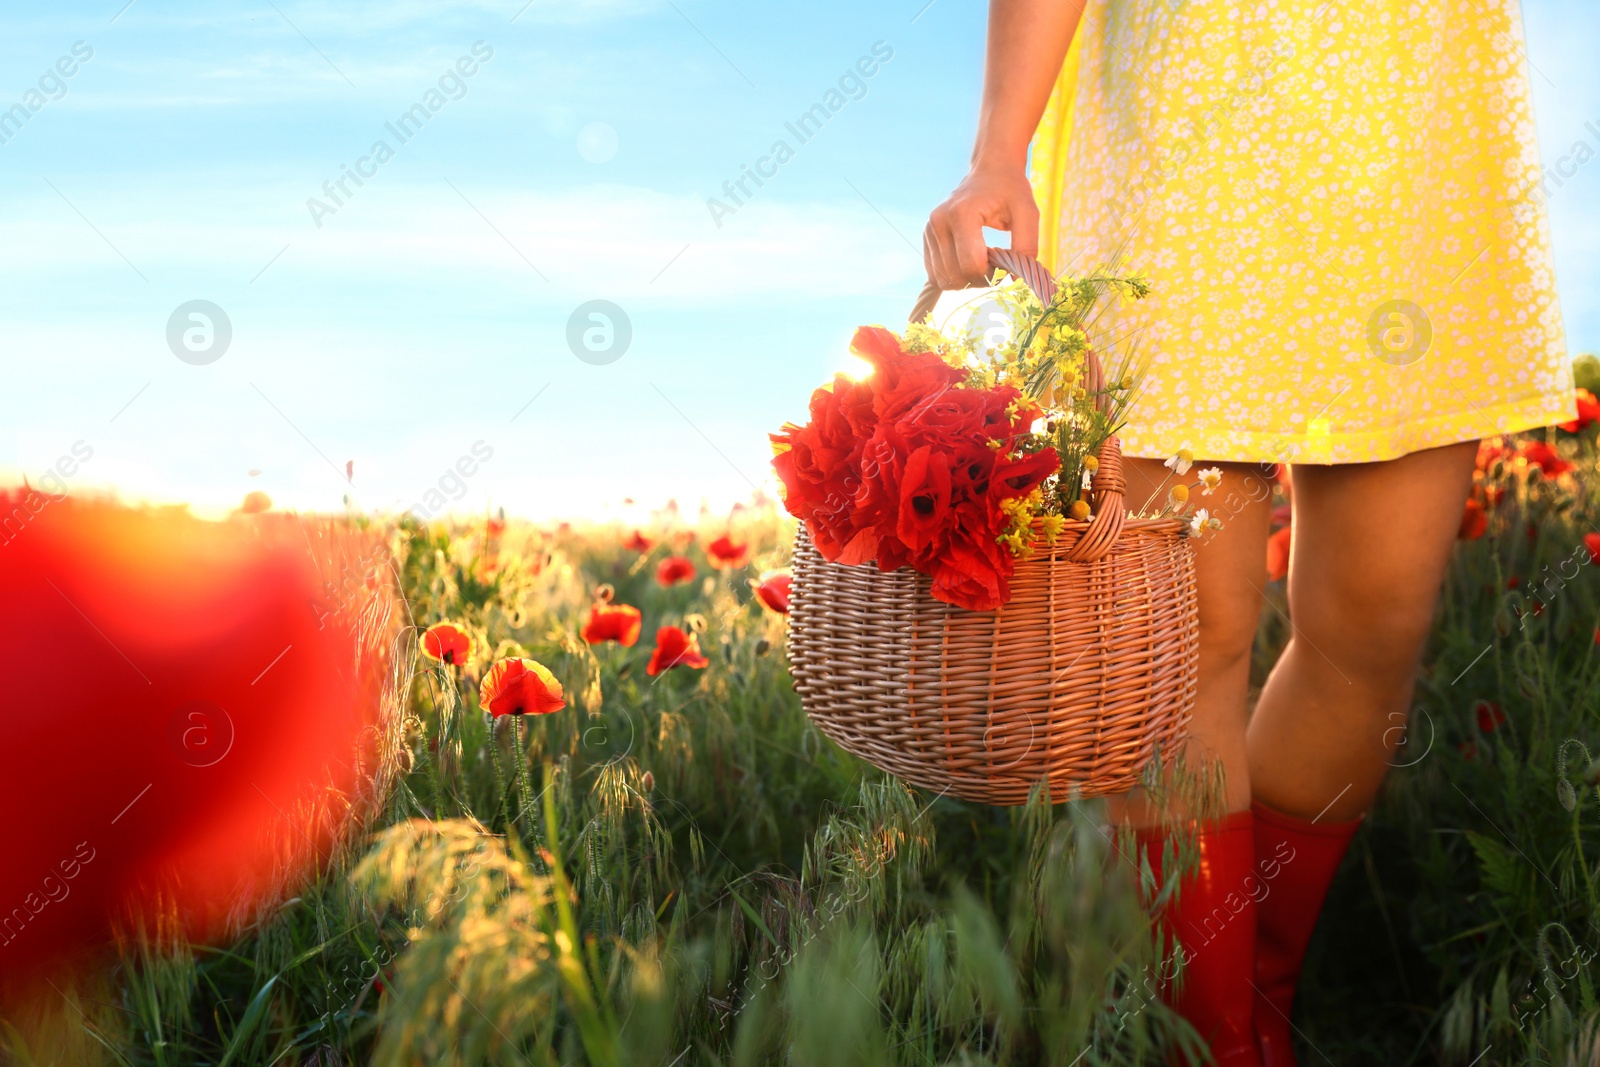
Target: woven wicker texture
(1078, 679)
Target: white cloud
(614, 238)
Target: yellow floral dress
(1340, 209)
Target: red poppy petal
(520, 687)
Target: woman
(1339, 208)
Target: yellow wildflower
(1080, 509)
(1091, 463)
(1050, 526)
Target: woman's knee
(1228, 629)
(1370, 629)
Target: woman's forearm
(1028, 40)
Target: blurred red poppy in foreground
(1474, 521)
(674, 569)
(674, 648)
(1591, 541)
(637, 542)
(447, 643)
(728, 554)
(248, 665)
(520, 687)
(613, 622)
(773, 590)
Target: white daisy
(1180, 463)
(1210, 478)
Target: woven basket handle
(1108, 486)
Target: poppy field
(614, 838)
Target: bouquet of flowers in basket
(954, 456)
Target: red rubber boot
(1214, 921)
(1297, 860)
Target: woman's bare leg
(1230, 568)
(1371, 542)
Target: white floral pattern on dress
(1339, 207)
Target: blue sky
(429, 311)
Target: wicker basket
(1079, 678)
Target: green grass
(694, 875)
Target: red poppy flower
(613, 622)
(1469, 750)
(1489, 715)
(1474, 521)
(250, 701)
(1591, 541)
(1588, 411)
(675, 648)
(924, 512)
(911, 466)
(773, 591)
(728, 554)
(901, 381)
(1278, 554)
(637, 542)
(970, 574)
(447, 643)
(255, 502)
(520, 687)
(1019, 477)
(1538, 454)
(674, 569)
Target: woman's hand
(993, 195)
(1028, 39)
